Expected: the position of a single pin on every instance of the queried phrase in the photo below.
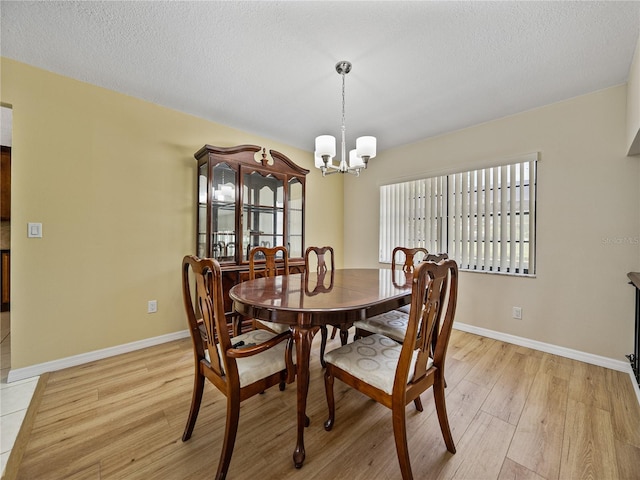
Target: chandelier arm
(327, 173)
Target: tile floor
(14, 397)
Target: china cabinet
(247, 197)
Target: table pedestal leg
(303, 336)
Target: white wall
(588, 222)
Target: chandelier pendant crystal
(326, 144)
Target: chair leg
(418, 403)
(230, 431)
(328, 387)
(441, 409)
(236, 323)
(323, 344)
(400, 436)
(344, 336)
(196, 399)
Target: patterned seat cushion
(391, 324)
(276, 327)
(373, 359)
(404, 309)
(261, 365)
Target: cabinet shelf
(262, 208)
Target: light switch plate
(34, 230)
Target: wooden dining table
(308, 301)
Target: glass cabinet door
(295, 218)
(262, 212)
(201, 250)
(223, 212)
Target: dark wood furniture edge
(20, 445)
(287, 161)
(635, 278)
(226, 150)
(634, 358)
(230, 151)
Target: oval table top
(324, 299)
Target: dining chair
(394, 374)
(239, 367)
(409, 257)
(322, 269)
(268, 262)
(393, 323)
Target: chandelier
(326, 144)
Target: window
(484, 219)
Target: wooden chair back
(197, 328)
(322, 268)
(207, 293)
(435, 257)
(433, 305)
(268, 262)
(411, 257)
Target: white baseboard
(555, 350)
(40, 368)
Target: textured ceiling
(419, 68)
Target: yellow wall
(112, 179)
(587, 213)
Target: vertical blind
(484, 219)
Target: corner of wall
(633, 104)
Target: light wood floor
(515, 413)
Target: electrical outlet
(152, 306)
(517, 313)
(34, 230)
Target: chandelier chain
(343, 102)
(343, 143)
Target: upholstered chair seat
(251, 369)
(392, 324)
(373, 359)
